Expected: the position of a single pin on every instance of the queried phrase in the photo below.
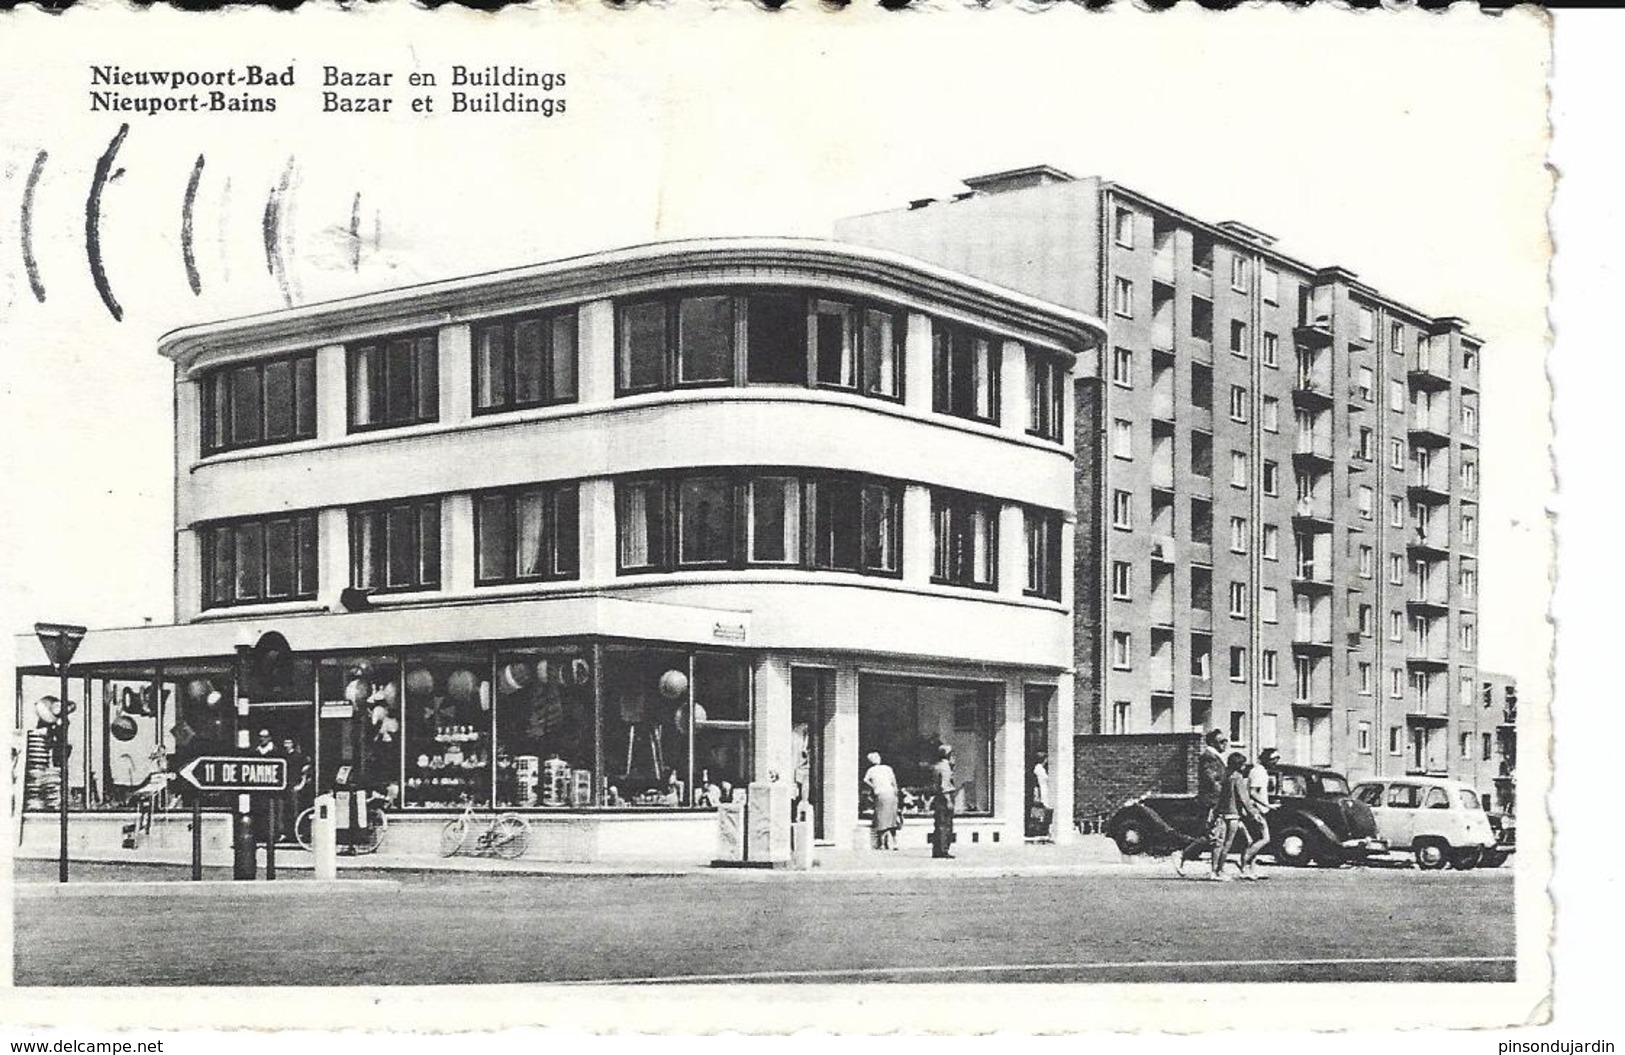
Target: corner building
(1278, 478)
(605, 538)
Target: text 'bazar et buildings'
(625, 531)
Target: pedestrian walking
(943, 789)
(1255, 817)
(1043, 810)
(887, 821)
(1235, 803)
(1210, 778)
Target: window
(1122, 579)
(1469, 475)
(1043, 554)
(1396, 338)
(1396, 454)
(1201, 386)
(1271, 414)
(1362, 737)
(1122, 439)
(1238, 599)
(528, 535)
(1467, 582)
(1202, 319)
(1396, 569)
(1270, 542)
(1238, 403)
(1396, 512)
(1271, 282)
(1396, 740)
(1123, 227)
(1466, 748)
(396, 546)
(1201, 521)
(1365, 561)
(1488, 745)
(1202, 252)
(1269, 604)
(1469, 418)
(1365, 383)
(1121, 710)
(1365, 324)
(526, 362)
(1268, 667)
(716, 519)
(1238, 337)
(1123, 297)
(394, 382)
(1396, 683)
(1367, 620)
(904, 720)
(1271, 354)
(1468, 636)
(1469, 359)
(1122, 650)
(1238, 469)
(1046, 396)
(1238, 535)
(787, 338)
(1238, 273)
(1396, 626)
(1469, 529)
(1123, 366)
(966, 533)
(1272, 478)
(261, 559)
(1122, 509)
(1238, 663)
(965, 373)
(268, 401)
(1364, 498)
(1201, 588)
(1396, 396)
(1363, 670)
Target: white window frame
(1396, 626)
(1362, 737)
(1271, 414)
(1238, 663)
(1396, 569)
(1269, 605)
(1123, 502)
(1363, 672)
(1269, 671)
(1396, 512)
(1271, 351)
(1122, 580)
(1122, 650)
(1396, 397)
(1271, 283)
(1364, 499)
(1270, 542)
(1238, 600)
(1123, 227)
(1270, 474)
(1238, 534)
(1123, 367)
(1240, 468)
(1366, 556)
(1123, 297)
(1238, 272)
(1396, 454)
(1238, 403)
(1123, 439)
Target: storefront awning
(405, 626)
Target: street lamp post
(60, 641)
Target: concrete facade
(1278, 537)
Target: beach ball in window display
(674, 685)
(419, 682)
(462, 686)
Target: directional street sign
(236, 773)
(60, 641)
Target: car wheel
(1432, 855)
(1130, 838)
(1462, 860)
(1293, 847)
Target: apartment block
(1278, 474)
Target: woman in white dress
(880, 780)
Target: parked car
(1314, 820)
(1441, 822)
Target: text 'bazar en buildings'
(608, 537)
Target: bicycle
(366, 840)
(506, 835)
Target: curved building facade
(609, 538)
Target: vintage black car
(1314, 821)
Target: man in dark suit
(1210, 776)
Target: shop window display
(359, 724)
(448, 727)
(544, 728)
(907, 720)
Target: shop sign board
(236, 773)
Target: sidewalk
(1086, 855)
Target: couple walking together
(881, 780)
(1236, 796)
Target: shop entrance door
(812, 702)
(1038, 808)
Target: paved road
(1143, 926)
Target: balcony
(1429, 429)
(1314, 332)
(1162, 262)
(1312, 514)
(1423, 716)
(1422, 655)
(1312, 391)
(1312, 577)
(1428, 606)
(1428, 545)
(1202, 685)
(1201, 619)
(1429, 368)
(1429, 488)
(1509, 716)
(1312, 705)
(1360, 398)
(1312, 453)
(1311, 645)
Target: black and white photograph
(782, 506)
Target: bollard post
(801, 840)
(273, 814)
(324, 838)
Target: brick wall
(1086, 585)
(1109, 770)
